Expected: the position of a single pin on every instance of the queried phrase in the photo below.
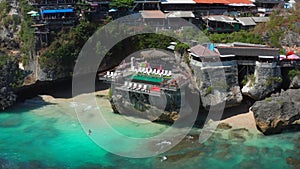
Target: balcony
(52, 2)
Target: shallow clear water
(38, 135)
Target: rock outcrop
(9, 30)
(8, 79)
(267, 79)
(218, 83)
(291, 39)
(278, 113)
(295, 83)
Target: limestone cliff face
(218, 83)
(267, 78)
(39, 74)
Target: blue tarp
(48, 11)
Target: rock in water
(278, 113)
(293, 162)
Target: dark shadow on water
(57, 89)
(27, 105)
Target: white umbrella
(35, 14)
(31, 12)
(113, 10)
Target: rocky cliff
(218, 83)
(10, 77)
(10, 26)
(279, 112)
(295, 83)
(267, 79)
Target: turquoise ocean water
(35, 134)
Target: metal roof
(248, 51)
(246, 21)
(260, 19)
(181, 14)
(220, 18)
(153, 14)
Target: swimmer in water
(89, 132)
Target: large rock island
(278, 113)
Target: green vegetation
(8, 21)
(241, 36)
(274, 28)
(109, 95)
(3, 60)
(269, 99)
(209, 90)
(181, 47)
(244, 81)
(248, 78)
(252, 80)
(272, 80)
(152, 40)
(26, 33)
(63, 51)
(280, 102)
(10, 74)
(219, 86)
(292, 73)
(152, 78)
(121, 4)
(4, 8)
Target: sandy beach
(234, 119)
(245, 120)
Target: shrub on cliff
(241, 36)
(280, 22)
(26, 33)
(10, 75)
(292, 73)
(60, 56)
(121, 4)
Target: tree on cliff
(10, 74)
(121, 4)
(60, 56)
(11, 77)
